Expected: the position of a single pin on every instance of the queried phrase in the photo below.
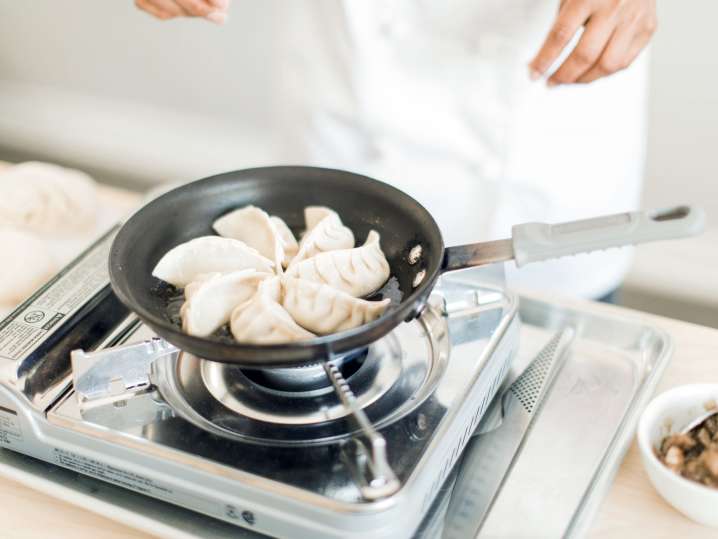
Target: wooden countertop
(632, 505)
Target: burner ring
(400, 371)
(308, 379)
(242, 395)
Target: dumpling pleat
(323, 309)
(358, 272)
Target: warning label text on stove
(22, 334)
(141, 483)
(112, 474)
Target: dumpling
(182, 264)
(253, 226)
(47, 198)
(211, 299)
(328, 235)
(289, 242)
(26, 264)
(262, 320)
(195, 285)
(271, 288)
(314, 214)
(358, 272)
(323, 309)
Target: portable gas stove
(292, 452)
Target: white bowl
(667, 414)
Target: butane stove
(285, 452)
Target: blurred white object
(670, 413)
(47, 199)
(48, 214)
(435, 98)
(26, 264)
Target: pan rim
(335, 343)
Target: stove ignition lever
(115, 373)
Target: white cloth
(434, 97)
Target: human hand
(212, 10)
(615, 33)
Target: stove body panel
(138, 442)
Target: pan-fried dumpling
(289, 242)
(262, 320)
(323, 309)
(314, 214)
(182, 264)
(253, 226)
(211, 299)
(195, 285)
(271, 288)
(358, 272)
(328, 235)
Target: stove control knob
(248, 517)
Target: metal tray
(583, 430)
(588, 420)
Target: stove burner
(307, 378)
(241, 394)
(291, 406)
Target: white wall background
(100, 85)
(683, 131)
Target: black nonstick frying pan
(410, 238)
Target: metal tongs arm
(379, 480)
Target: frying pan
(410, 238)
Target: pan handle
(534, 242)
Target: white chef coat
(434, 97)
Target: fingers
(196, 8)
(615, 33)
(571, 16)
(586, 53)
(214, 10)
(218, 14)
(149, 7)
(619, 54)
(627, 42)
(219, 5)
(162, 9)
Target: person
(446, 101)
